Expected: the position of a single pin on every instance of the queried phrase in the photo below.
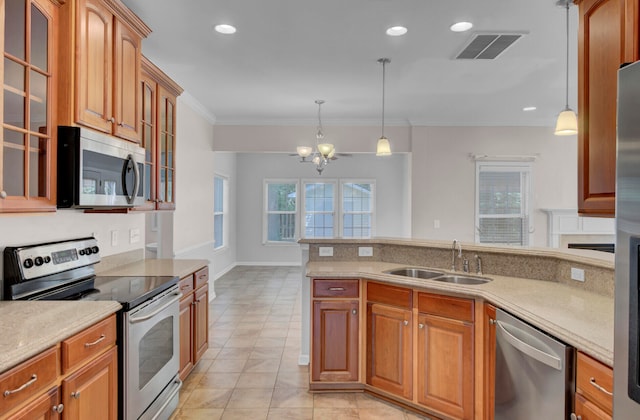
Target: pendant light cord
(384, 61)
(567, 68)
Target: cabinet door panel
(389, 349)
(588, 410)
(92, 392)
(94, 63)
(607, 38)
(201, 318)
(186, 336)
(126, 84)
(40, 408)
(445, 365)
(335, 341)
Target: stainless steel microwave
(98, 171)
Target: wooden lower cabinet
(92, 391)
(587, 410)
(46, 407)
(335, 340)
(194, 320)
(445, 365)
(489, 368)
(389, 349)
(594, 386)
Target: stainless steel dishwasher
(534, 372)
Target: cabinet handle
(3, 194)
(574, 417)
(102, 337)
(406, 322)
(76, 395)
(421, 326)
(30, 382)
(592, 381)
(111, 120)
(336, 289)
(120, 124)
(354, 311)
(58, 408)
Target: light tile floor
(251, 369)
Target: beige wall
(443, 175)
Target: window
(281, 209)
(319, 209)
(220, 205)
(357, 209)
(502, 202)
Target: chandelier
(323, 152)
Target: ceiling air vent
(487, 46)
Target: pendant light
(383, 148)
(567, 123)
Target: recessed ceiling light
(225, 29)
(461, 26)
(529, 108)
(396, 31)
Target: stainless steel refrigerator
(626, 365)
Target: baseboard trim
(303, 360)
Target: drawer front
(390, 295)
(88, 343)
(186, 285)
(586, 410)
(595, 381)
(336, 288)
(446, 306)
(29, 379)
(201, 277)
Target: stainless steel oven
(152, 356)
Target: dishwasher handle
(540, 355)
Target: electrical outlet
(326, 251)
(436, 223)
(365, 251)
(577, 274)
(134, 235)
(114, 238)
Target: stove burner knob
(39, 261)
(81, 252)
(88, 251)
(95, 249)
(28, 263)
(47, 259)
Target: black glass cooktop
(130, 291)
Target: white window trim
(506, 166)
(224, 213)
(265, 211)
(372, 182)
(337, 228)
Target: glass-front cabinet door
(148, 128)
(27, 139)
(166, 164)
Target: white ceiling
(288, 53)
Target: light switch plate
(134, 235)
(326, 251)
(365, 251)
(114, 238)
(577, 274)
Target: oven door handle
(134, 319)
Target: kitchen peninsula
(533, 284)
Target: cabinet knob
(111, 120)
(574, 417)
(492, 321)
(421, 326)
(75, 394)
(354, 311)
(58, 408)
(406, 322)
(120, 124)
(3, 194)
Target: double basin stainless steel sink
(425, 273)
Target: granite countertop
(582, 319)
(30, 327)
(159, 267)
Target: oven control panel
(46, 259)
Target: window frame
(303, 212)
(224, 213)
(372, 212)
(522, 167)
(266, 212)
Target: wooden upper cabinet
(608, 37)
(103, 56)
(28, 135)
(158, 127)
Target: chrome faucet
(478, 264)
(455, 245)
